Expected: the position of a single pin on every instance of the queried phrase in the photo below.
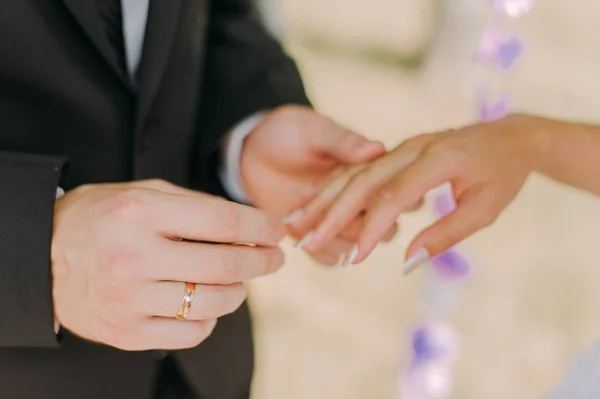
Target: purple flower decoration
(433, 382)
(433, 343)
(492, 110)
(434, 348)
(509, 52)
(500, 49)
(424, 349)
(513, 8)
(451, 265)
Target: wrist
(537, 138)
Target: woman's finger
(472, 213)
(333, 252)
(402, 192)
(303, 220)
(354, 228)
(358, 195)
(326, 259)
(338, 246)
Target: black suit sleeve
(27, 194)
(246, 71)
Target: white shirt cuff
(59, 193)
(229, 171)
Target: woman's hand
(486, 165)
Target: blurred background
(391, 69)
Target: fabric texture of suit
(71, 115)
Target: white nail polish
(292, 217)
(416, 260)
(305, 240)
(351, 255)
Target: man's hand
(290, 154)
(120, 267)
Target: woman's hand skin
(486, 164)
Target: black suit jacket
(69, 115)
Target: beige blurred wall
(535, 297)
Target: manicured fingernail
(351, 256)
(416, 260)
(305, 240)
(292, 217)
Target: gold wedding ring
(186, 302)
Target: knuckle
(387, 194)
(418, 140)
(358, 196)
(228, 221)
(439, 147)
(361, 180)
(449, 156)
(123, 264)
(363, 187)
(229, 263)
(158, 183)
(129, 205)
(445, 149)
(272, 232)
(115, 304)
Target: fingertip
(305, 240)
(365, 247)
(292, 217)
(437, 238)
(318, 240)
(278, 231)
(417, 258)
(369, 151)
(351, 256)
(379, 147)
(360, 257)
(311, 242)
(380, 225)
(417, 244)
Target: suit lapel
(163, 17)
(90, 21)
